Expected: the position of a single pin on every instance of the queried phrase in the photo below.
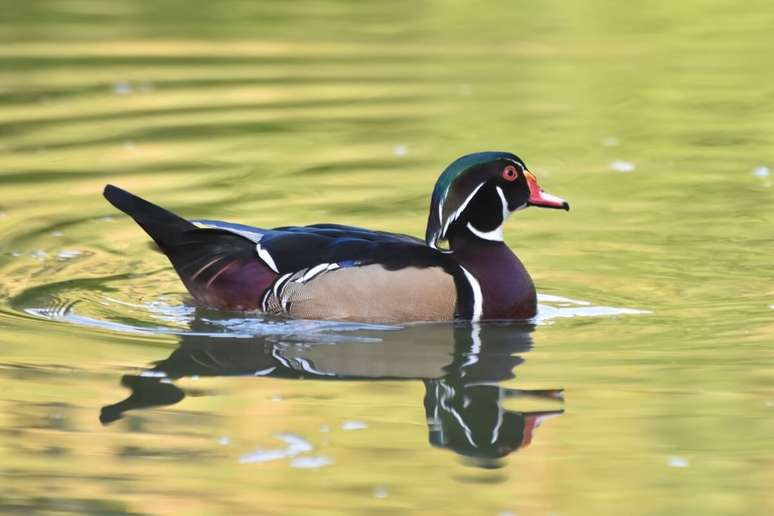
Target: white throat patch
(495, 235)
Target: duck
(462, 270)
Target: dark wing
(299, 248)
(291, 249)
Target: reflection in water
(461, 365)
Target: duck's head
(477, 192)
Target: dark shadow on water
(461, 365)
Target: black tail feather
(163, 226)
(219, 268)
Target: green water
(654, 121)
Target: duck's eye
(509, 173)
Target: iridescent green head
(478, 191)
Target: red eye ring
(509, 173)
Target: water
(646, 386)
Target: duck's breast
(506, 289)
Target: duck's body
(329, 271)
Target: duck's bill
(541, 199)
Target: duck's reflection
(461, 365)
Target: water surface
(645, 387)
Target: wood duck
(330, 271)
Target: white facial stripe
(504, 201)
(521, 167)
(478, 298)
(451, 218)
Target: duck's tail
(220, 269)
(163, 226)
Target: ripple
(93, 309)
(552, 307)
(165, 317)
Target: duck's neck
(502, 288)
